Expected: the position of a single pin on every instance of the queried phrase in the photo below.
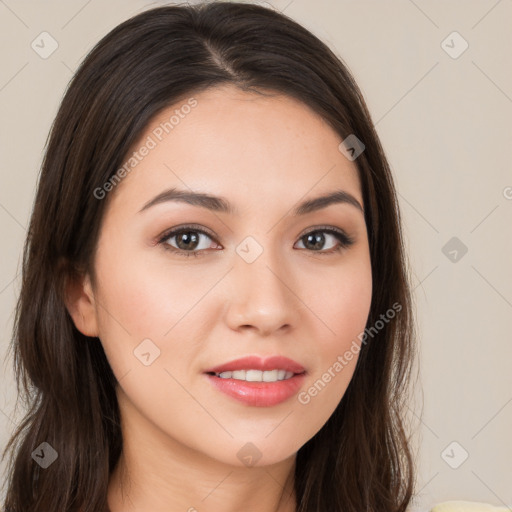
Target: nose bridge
(262, 294)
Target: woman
(269, 371)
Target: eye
(316, 239)
(188, 240)
(192, 240)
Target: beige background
(445, 124)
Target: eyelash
(345, 240)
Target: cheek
(342, 307)
(140, 301)
(349, 317)
(341, 300)
(148, 326)
(348, 308)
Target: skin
(181, 436)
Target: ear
(80, 304)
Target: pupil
(318, 239)
(188, 238)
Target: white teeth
(257, 375)
(270, 376)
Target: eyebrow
(222, 205)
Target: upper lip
(259, 363)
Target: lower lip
(259, 394)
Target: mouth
(253, 375)
(258, 382)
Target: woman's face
(260, 279)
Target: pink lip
(259, 394)
(259, 363)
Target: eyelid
(184, 227)
(329, 228)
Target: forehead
(241, 145)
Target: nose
(262, 297)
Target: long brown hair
(361, 459)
